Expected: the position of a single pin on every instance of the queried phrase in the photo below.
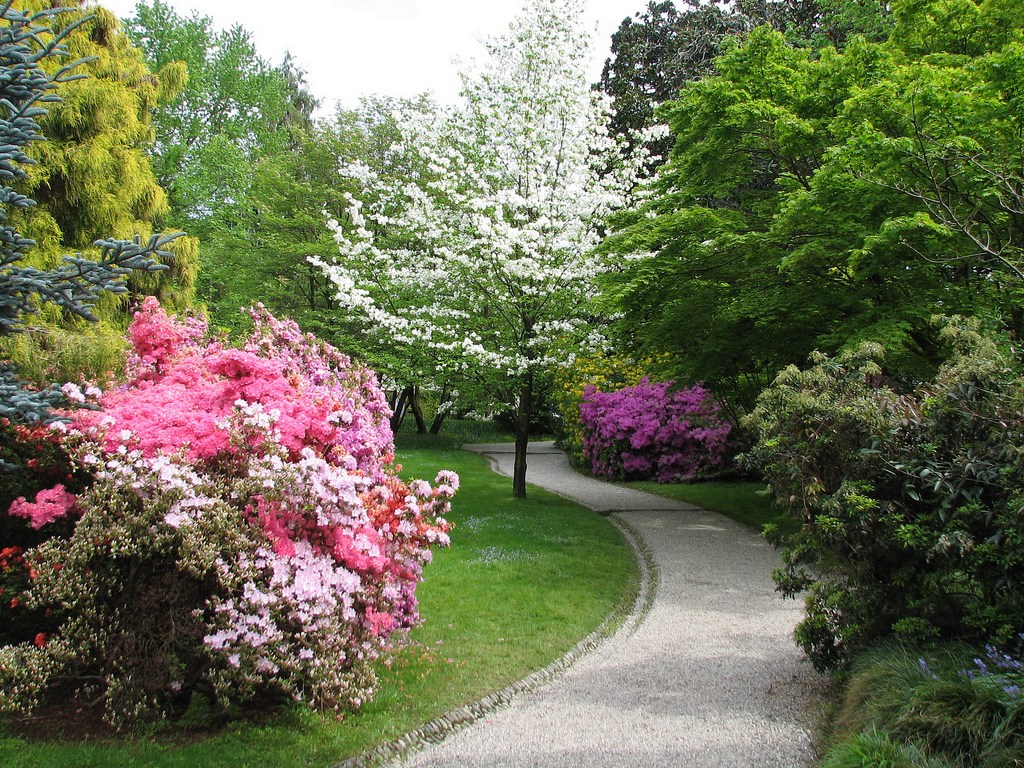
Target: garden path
(704, 672)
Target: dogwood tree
(475, 243)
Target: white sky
(351, 48)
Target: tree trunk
(442, 413)
(399, 409)
(522, 419)
(417, 411)
(435, 425)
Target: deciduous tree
(479, 253)
(820, 200)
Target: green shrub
(911, 503)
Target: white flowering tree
(476, 246)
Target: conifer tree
(74, 286)
(92, 179)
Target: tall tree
(283, 222)
(27, 42)
(821, 200)
(229, 112)
(655, 53)
(661, 49)
(237, 154)
(91, 179)
(480, 253)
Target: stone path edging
(700, 671)
(620, 621)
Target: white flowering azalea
(476, 245)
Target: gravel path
(703, 674)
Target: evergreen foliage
(74, 286)
(910, 502)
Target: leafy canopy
(815, 200)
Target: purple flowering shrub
(652, 430)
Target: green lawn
(747, 503)
(522, 583)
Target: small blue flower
(926, 669)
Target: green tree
(661, 49)
(290, 196)
(91, 180)
(245, 167)
(28, 40)
(228, 113)
(820, 199)
(655, 53)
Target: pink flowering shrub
(50, 504)
(179, 395)
(651, 430)
(244, 534)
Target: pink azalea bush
(50, 504)
(244, 534)
(319, 399)
(652, 430)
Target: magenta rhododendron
(652, 430)
(243, 518)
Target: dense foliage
(653, 430)
(225, 114)
(91, 179)
(603, 371)
(955, 708)
(242, 166)
(668, 45)
(818, 199)
(911, 502)
(76, 284)
(240, 533)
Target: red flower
(40, 640)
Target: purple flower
(652, 430)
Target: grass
(910, 708)
(454, 432)
(744, 502)
(522, 583)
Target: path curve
(707, 676)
